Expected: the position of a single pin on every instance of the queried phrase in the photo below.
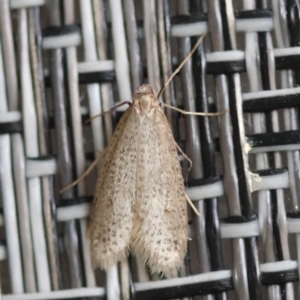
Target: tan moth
(140, 203)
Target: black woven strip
(11, 127)
(290, 62)
(90, 156)
(266, 85)
(240, 219)
(2, 242)
(203, 181)
(264, 64)
(60, 30)
(189, 290)
(287, 62)
(276, 229)
(97, 77)
(188, 19)
(247, 14)
(212, 227)
(226, 67)
(244, 192)
(74, 201)
(293, 18)
(213, 68)
(196, 6)
(84, 118)
(41, 158)
(267, 104)
(82, 298)
(253, 14)
(91, 77)
(220, 67)
(274, 138)
(269, 172)
(293, 214)
(207, 148)
(280, 277)
(47, 81)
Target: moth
(139, 203)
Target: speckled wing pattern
(111, 217)
(160, 220)
(139, 200)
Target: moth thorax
(145, 99)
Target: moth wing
(111, 217)
(160, 224)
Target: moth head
(145, 99)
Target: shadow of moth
(139, 202)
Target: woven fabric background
(62, 62)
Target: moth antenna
(87, 172)
(192, 205)
(185, 156)
(181, 65)
(106, 112)
(184, 112)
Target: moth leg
(204, 114)
(192, 205)
(106, 112)
(87, 172)
(185, 156)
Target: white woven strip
(32, 150)
(10, 116)
(205, 191)
(72, 212)
(293, 225)
(205, 277)
(120, 50)
(14, 4)
(37, 168)
(185, 30)
(278, 266)
(62, 41)
(271, 93)
(291, 147)
(219, 56)
(112, 284)
(63, 294)
(286, 51)
(10, 211)
(96, 66)
(244, 25)
(276, 181)
(239, 230)
(90, 55)
(254, 25)
(8, 196)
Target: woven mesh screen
(62, 62)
